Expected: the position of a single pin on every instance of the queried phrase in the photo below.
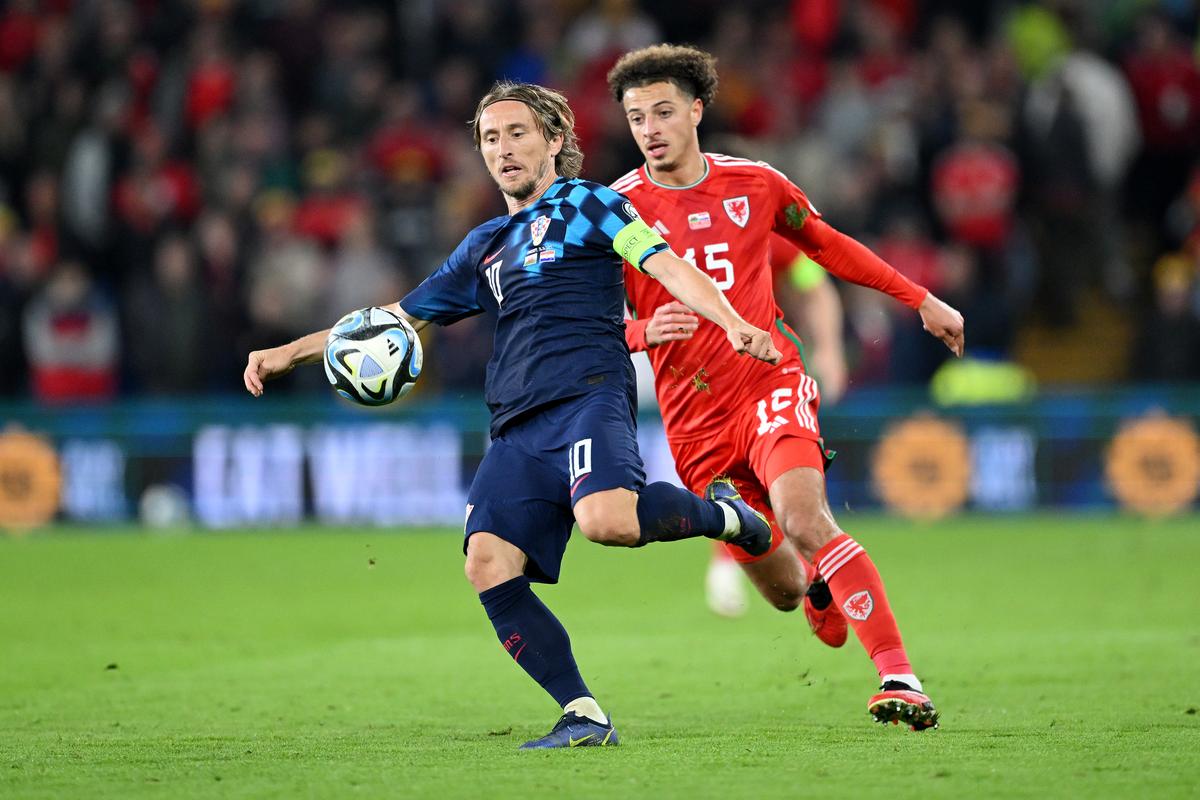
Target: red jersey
(723, 225)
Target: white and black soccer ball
(372, 356)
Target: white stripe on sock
(839, 557)
(836, 553)
(830, 570)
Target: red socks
(858, 591)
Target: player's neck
(691, 169)
(515, 205)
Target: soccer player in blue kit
(560, 387)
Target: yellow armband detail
(635, 241)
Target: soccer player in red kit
(807, 296)
(756, 423)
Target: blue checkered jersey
(552, 275)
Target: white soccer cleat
(725, 588)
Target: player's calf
(667, 513)
(778, 577)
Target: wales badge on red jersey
(738, 209)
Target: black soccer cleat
(754, 532)
(572, 730)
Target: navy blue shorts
(539, 467)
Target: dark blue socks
(667, 513)
(534, 638)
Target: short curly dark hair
(690, 68)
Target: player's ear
(697, 110)
(556, 145)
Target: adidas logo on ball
(372, 356)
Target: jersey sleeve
(635, 329)
(450, 293)
(635, 335)
(615, 224)
(793, 209)
(799, 221)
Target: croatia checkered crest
(372, 356)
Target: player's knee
(785, 592)
(479, 571)
(786, 598)
(606, 527)
(610, 532)
(809, 529)
(485, 571)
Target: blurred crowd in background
(181, 182)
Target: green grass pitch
(1062, 652)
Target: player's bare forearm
(692, 288)
(263, 365)
(698, 292)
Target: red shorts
(774, 431)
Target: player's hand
(672, 322)
(944, 322)
(745, 338)
(263, 365)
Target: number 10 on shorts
(580, 461)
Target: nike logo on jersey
(493, 256)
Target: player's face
(663, 120)
(516, 153)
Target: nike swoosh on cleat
(580, 740)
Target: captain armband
(636, 241)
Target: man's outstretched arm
(698, 292)
(851, 260)
(275, 362)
